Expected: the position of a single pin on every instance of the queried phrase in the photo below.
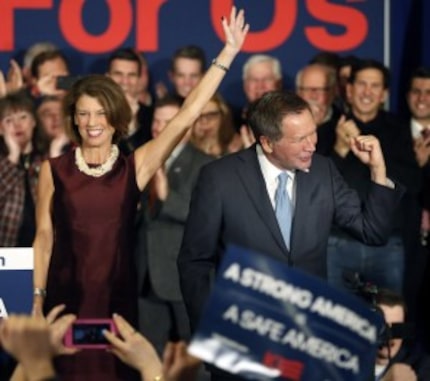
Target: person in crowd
(213, 131)
(240, 198)
(30, 54)
(34, 341)
(343, 73)
(87, 202)
(20, 159)
(317, 85)
(13, 81)
(50, 116)
(125, 68)
(135, 350)
(330, 60)
(416, 284)
(144, 95)
(46, 68)
(397, 346)
(383, 266)
(260, 73)
(187, 67)
(162, 314)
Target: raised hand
(15, 79)
(178, 365)
(27, 339)
(235, 30)
(58, 328)
(247, 136)
(3, 89)
(7, 129)
(368, 150)
(134, 349)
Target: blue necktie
(283, 208)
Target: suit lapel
(250, 174)
(305, 193)
(179, 165)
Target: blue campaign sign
(16, 280)
(267, 321)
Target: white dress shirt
(271, 173)
(416, 129)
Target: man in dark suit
(162, 312)
(125, 67)
(234, 199)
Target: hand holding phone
(88, 333)
(65, 82)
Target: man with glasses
(261, 73)
(316, 84)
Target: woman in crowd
(87, 200)
(213, 131)
(50, 115)
(20, 160)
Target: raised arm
(43, 242)
(152, 155)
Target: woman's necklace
(100, 170)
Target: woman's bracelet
(219, 66)
(39, 292)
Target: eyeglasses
(208, 116)
(264, 80)
(316, 90)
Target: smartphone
(65, 82)
(88, 333)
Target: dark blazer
(230, 204)
(160, 235)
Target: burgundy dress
(92, 269)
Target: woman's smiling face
(92, 122)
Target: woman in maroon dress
(87, 199)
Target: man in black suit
(234, 199)
(125, 68)
(162, 314)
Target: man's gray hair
(258, 58)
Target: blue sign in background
(16, 290)
(182, 22)
(229, 344)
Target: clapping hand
(422, 149)
(346, 131)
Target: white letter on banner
(233, 272)
(232, 314)
(3, 310)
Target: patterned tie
(283, 208)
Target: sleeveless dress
(92, 270)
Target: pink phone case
(88, 333)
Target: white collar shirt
(417, 128)
(270, 173)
